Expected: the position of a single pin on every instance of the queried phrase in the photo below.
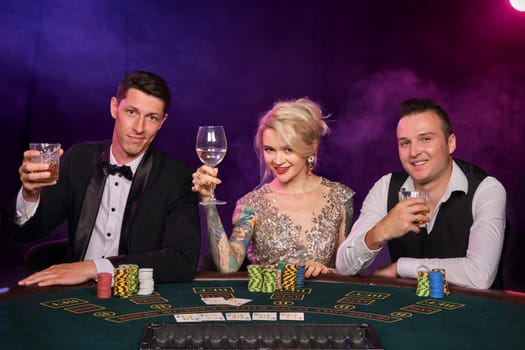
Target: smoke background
(228, 61)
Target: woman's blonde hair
(300, 123)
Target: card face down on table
(259, 335)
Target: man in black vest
(124, 201)
(464, 216)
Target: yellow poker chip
(423, 284)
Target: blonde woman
(294, 216)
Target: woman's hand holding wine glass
(211, 146)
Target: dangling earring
(310, 160)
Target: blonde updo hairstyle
(300, 123)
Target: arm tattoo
(228, 255)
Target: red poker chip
(104, 285)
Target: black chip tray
(256, 335)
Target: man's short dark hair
(148, 83)
(420, 105)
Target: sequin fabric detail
(276, 238)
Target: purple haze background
(228, 61)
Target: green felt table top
(78, 319)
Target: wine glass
(211, 148)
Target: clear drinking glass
(50, 154)
(211, 146)
(405, 194)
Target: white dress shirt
(105, 238)
(476, 270)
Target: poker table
(73, 317)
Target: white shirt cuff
(366, 253)
(409, 267)
(354, 256)
(104, 265)
(24, 209)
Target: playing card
(238, 316)
(187, 317)
(264, 316)
(291, 316)
(212, 316)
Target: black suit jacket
(161, 226)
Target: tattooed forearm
(215, 233)
(228, 255)
(215, 228)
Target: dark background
(228, 61)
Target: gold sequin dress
(278, 238)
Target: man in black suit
(125, 202)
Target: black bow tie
(111, 169)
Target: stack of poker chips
(133, 277)
(104, 285)
(269, 280)
(279, 275)
(289, 277)
(432, 284)
(125, 280)
(255, 278)
(120, 284)
(299, 279)
(445, 284)
(146, 282)
(423, 284)
(436, 284)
